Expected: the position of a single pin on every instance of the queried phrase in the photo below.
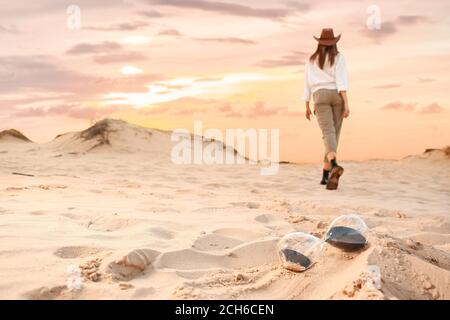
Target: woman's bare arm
(346, 107)
(308, 112)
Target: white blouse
(331, 77)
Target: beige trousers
(329, 110)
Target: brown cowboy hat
(327, 37)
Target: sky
(230, 64)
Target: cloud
(72, 110)
(425, 80)
(208, 79)
(184, 111)
(193, 101)
(184, 106)
(33, 86)
(389, 28)
(15, 10)
(88, 48)
(293, 59)
(13, 100)
(399, 106)
(259, 109)
(39, 73)
(170, 32)
(126, 26)
(388, 86)
(302, 6)
(412, 19)
(119, 58)
(35, 62)
(432, 108)
(44, 74)
(77, 111)
(411, 107)
(154, 110)
(232, 8)
(151, 14)
(189, 106)
(230, 40)
(8, 30)
(130, 84)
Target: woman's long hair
(321, 54)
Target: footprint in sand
(161, 233)
(53, 293)
(159, 210)
(250, 205)
(144, 292)
(277, 225)
(243, 235)
(124, 184)
(266, 218)
(439, 227)
(382, 213)
(76, 252)
(38, 213)
(4, 212)
(214, 185)
(212, 209)
(95, 191)
(246, 255)
(191, 274)
(212, 242)
(72, 216)
(50, 186)
(132, 265)
(107, 224)
(431, 238)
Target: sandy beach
(111, 203)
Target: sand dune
(113, 135)
(13, 135)
(120, 137)
(108, 201)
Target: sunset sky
(231, 63)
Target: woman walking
(326, 81)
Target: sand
(104, 214)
